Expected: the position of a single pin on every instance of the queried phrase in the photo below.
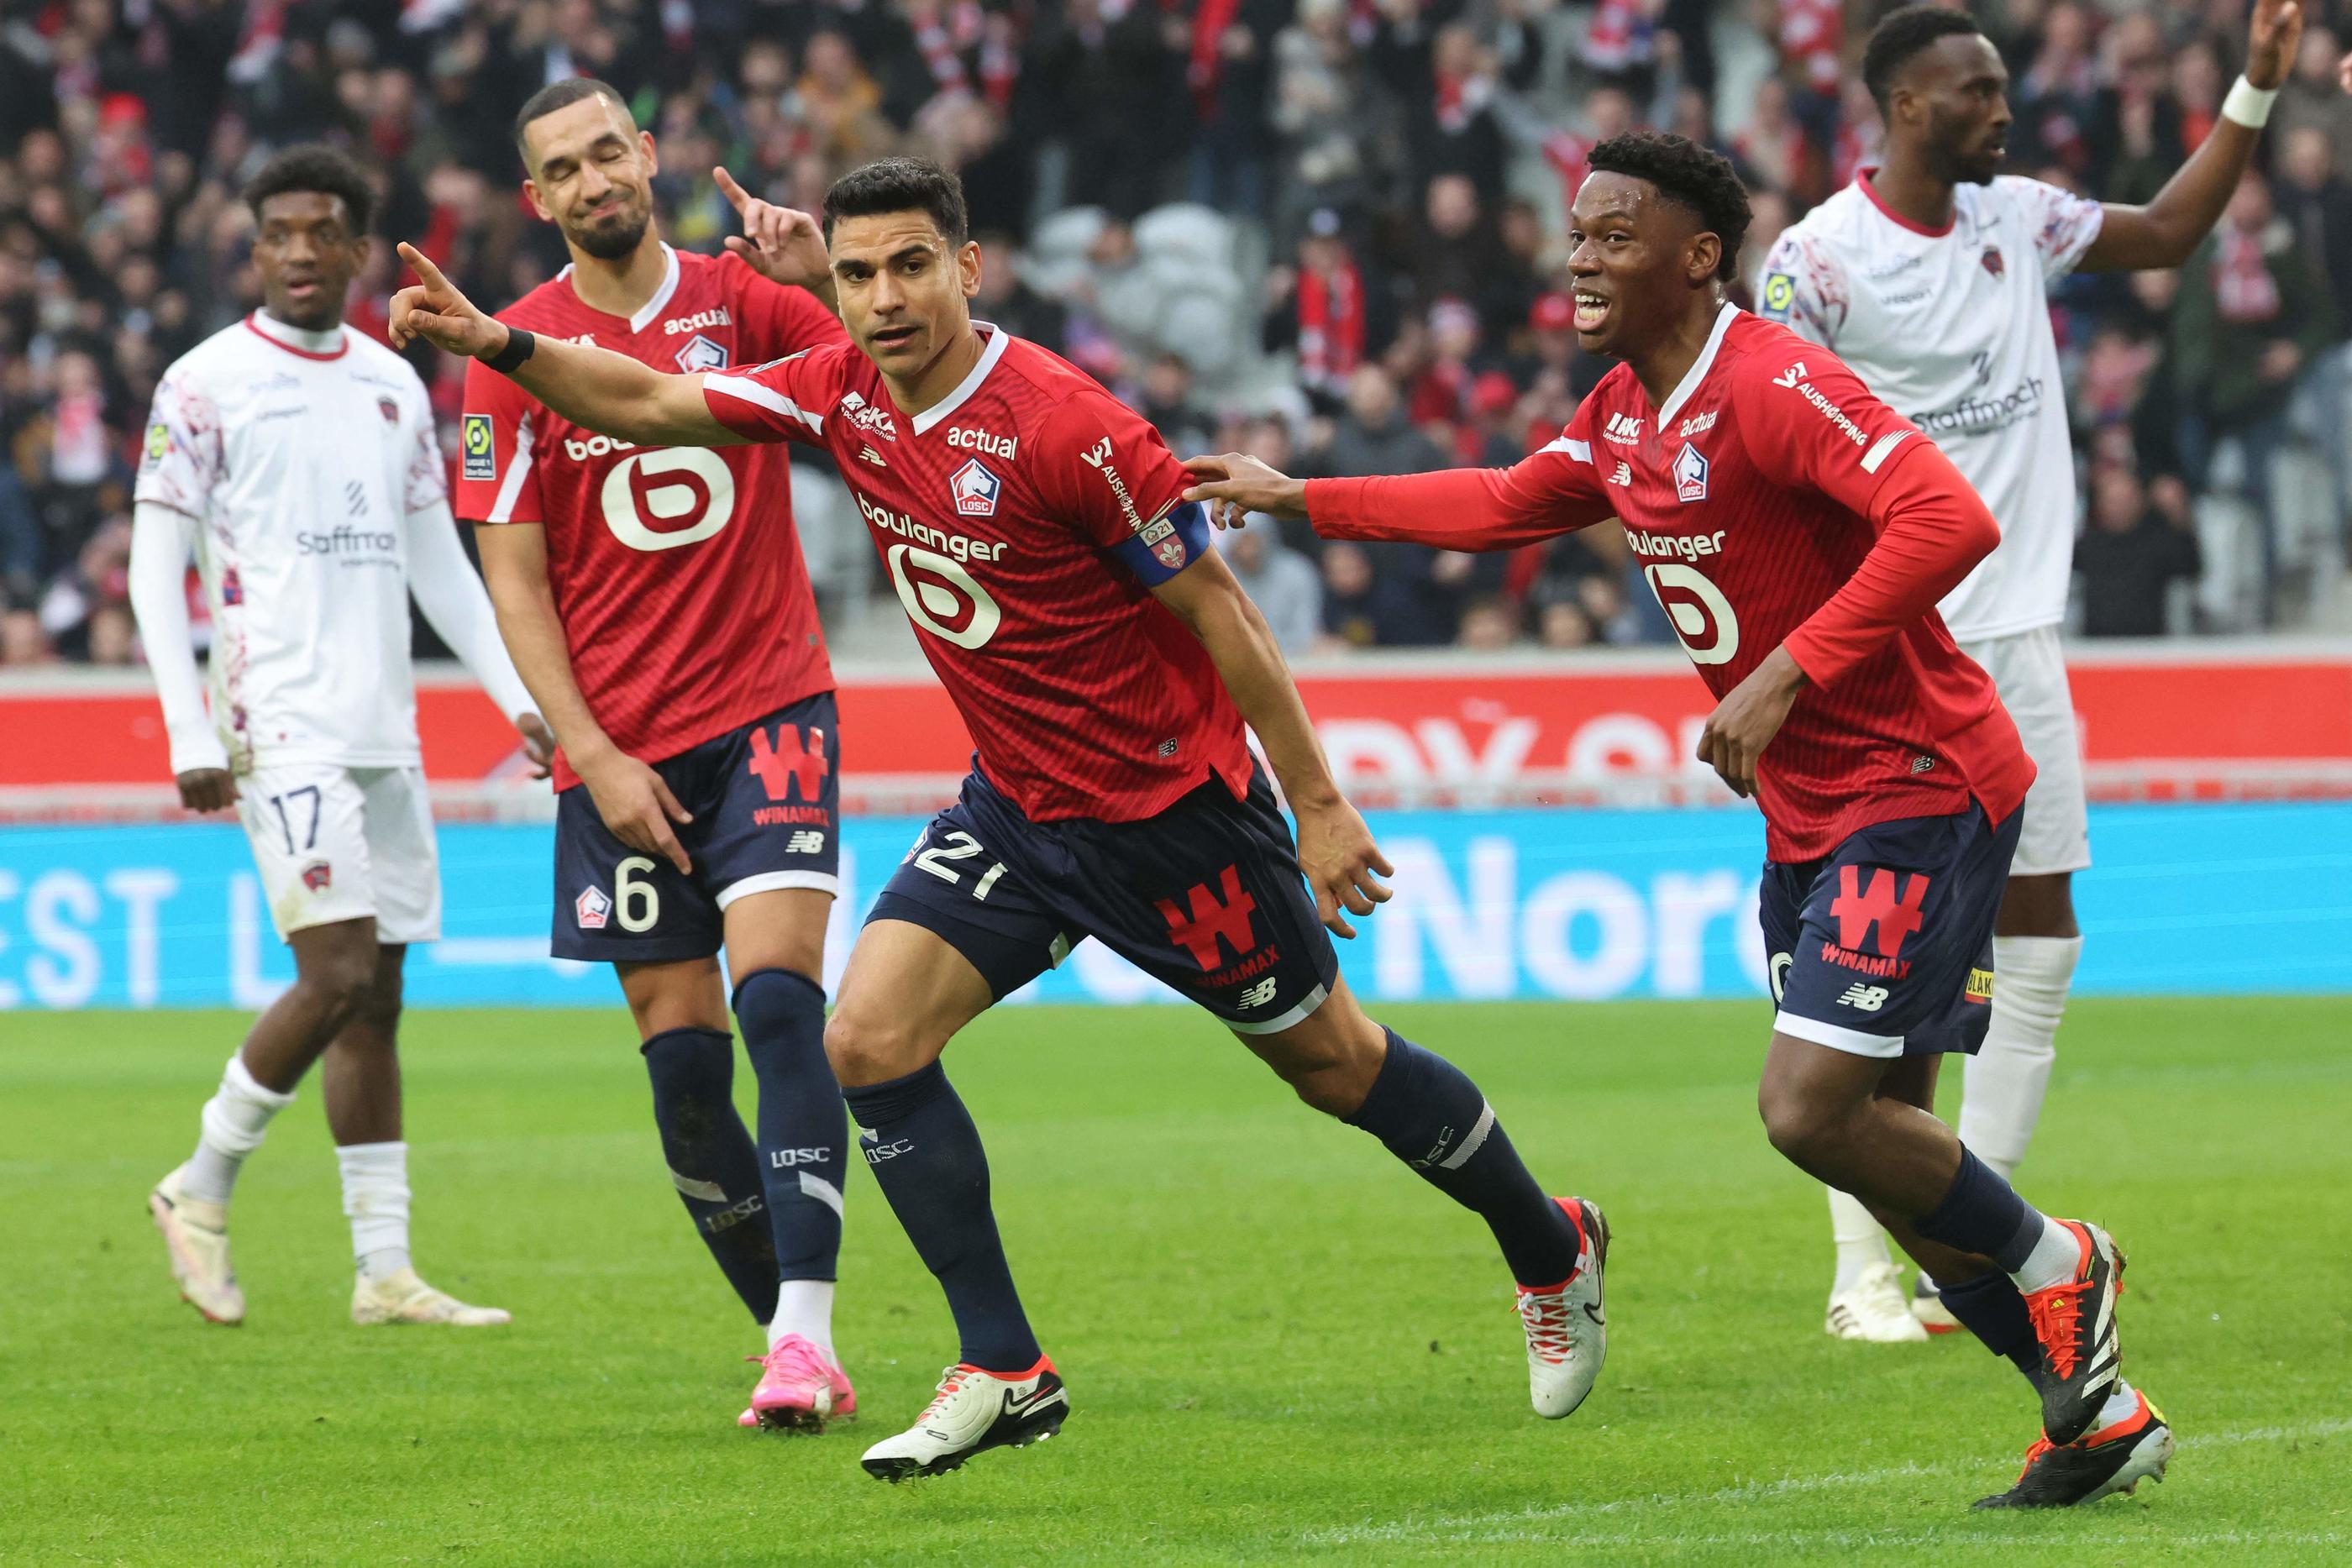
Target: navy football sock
(1982, 1214)
(803, 1134)
(1990, 1308)
(1429, 1114)
(925, 1154)
(711, 1160)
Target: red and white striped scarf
(1330, 325)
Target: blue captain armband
(1167, 544)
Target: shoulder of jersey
(1836, 216)
(552, 301)
(379, 357)
(224, 347)
(1037, 384)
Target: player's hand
(1337, 853)
(435, 312)
(1237, 484)
(538, 743)
(1744, 723)
(637, 806)
(206, 789)
(782, 244)
(2273, 37)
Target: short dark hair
(315, 166)
(1694, 177)
(900, 185)
(1901, 36)
(558, 95)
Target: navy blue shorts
(766, 801)
(1205, 897)
(1884, 947)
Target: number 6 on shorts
(636, 902)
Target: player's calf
(710, 1157)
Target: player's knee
(1803, 1130)
(378, 1005)
(341, 978)
(1329, 1063)
(866, 1049)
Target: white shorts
(2029, 670)
(344, 843)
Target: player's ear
(537, 202)
(646, 150)
(968, 263)
(1705, 255)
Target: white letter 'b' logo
(667, 497)
(943, 598)
(1701, 614)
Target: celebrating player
(1797, 533)
(299, 459)
(1104, 660)
(1929, 276)
(655, 601)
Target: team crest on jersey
(389, 409)
(318, 876)
(592, 909)
(1992, 261)
(1777, 295)
(232, 587)
(1690, 475)
(701, 353)
(1171, 550)
(867, 418)
(975, 490)
(481, 456)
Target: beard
(1956, 167)
(615, 238)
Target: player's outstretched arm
(1335, 849)
(610, 393)
(2169, 227)
(1552, 492)
(629, 796)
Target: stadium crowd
(1327, 231)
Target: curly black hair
(900, 185)
(315, 166)
(1697, 178)
(1900, 36)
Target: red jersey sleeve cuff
(1335, 508)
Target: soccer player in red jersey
(1799, 534)
(1104, 660)
(655, 603)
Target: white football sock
(1859, 1242)
(231, 1126)
(376, 1196)
(803, 1307)
(2008, 1079)
(2056, 1259)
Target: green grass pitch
(1279, 1345)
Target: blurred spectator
(2131, 552)
(1282, 583)
(1489, 626)
(1167, 403)
(1373, 436)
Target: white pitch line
(1498, 1526)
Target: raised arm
(1335, 849)
(2163, 233)
(1555, 491)
(608, 392)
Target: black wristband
(509, 359)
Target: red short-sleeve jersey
(1021, 519)
(685, 600)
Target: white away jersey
(1952, 327)
(301, 457)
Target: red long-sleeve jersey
(1772, 501)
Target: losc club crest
(1690, 475)
(975, 490)
(701, 353)
(592, 908)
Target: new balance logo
(1867, 998)
(804, 844)
(872, 456)
(1257, 995)
(1623, 429)
(1624, 475)
(1792, 375)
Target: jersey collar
(331, 344)
(997, 339)
(650, 312)
(1870, 192)
(1689, 384)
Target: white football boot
(196, 1232)
(1567, 1333)
(1928, 1306)
(1873, 1309)
(972, 1411)
(402, 1298)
